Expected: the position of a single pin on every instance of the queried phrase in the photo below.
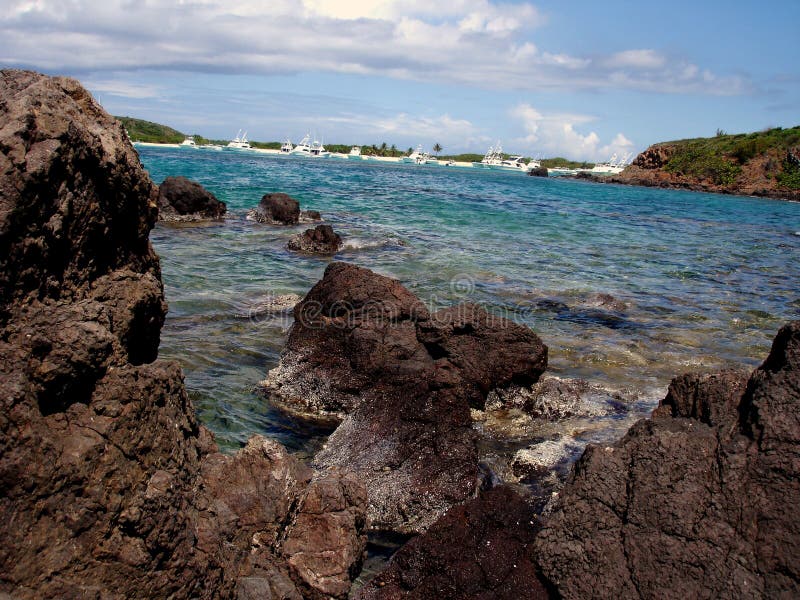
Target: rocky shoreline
(648, 170)
(112, 489)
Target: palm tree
(383, 149)
(437, 148)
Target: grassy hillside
(724, 159)
(140, 130)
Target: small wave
(356, 244)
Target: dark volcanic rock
(180, 199)
(320, 240)
(365, 347)
(277, 209)
(538, 172)
(59, 232)
(309, 216)
(109, 488)
(481, 549)
(697, 502)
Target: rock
(365, 349)
(309, 216)
(58, 233)
(269, 521)
(180, 199)
(108, 485)
(538, 172)
(541, 458)
(655, 157)
(276, 209)
(325, 544)
(553, 399)
(481, 549)
(697, 501)
(355, 328)
(320, 240)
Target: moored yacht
(493, 159)
(239, 142)
(287, 147)
(355, 153)
(613, 166)
(318, 150)
(414, 157)
(188, 142)
(303, 148)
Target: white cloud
(123, 88)
(555, 135)
(475, 42)
(638, 59)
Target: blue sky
(576, 79)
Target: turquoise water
(699, 281)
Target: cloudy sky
(581, 79)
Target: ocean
(627, 286)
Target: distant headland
(764, 163)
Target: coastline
(337, 155)
(687, 186)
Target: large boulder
(109, 487)
(277, 209)
(365, 351)
(697, 502)
(356, 329)
(180, 199)
(480, 549)
(320, 240)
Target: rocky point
(109, 487)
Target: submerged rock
(697, 502)
(108, 485)
(366, 350)
(180, 199)
(310, 216)
(320, 240)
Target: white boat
(414, 157)
(318, 150)
(287, 147)
(493, 159)
(239, 142)
(427, 159)
(355, 153)
(188, 142)
(613, 166)
(561, 171)
(303, 148)
(517, 163)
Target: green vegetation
(558, 161)
(263, 145)
(790, 176)
(463, 157)
(721, 158)
(147, 131)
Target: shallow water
(698, 281)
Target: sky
(581, 79)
